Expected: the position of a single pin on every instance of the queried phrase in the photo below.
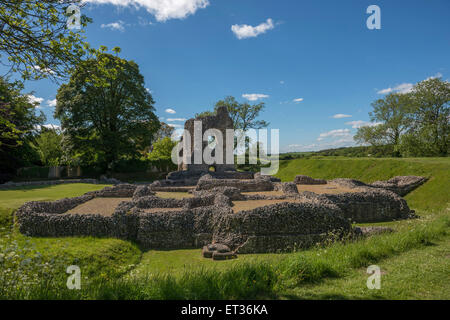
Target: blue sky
(319, 52)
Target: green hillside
(430, 197)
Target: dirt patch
(156, 210)
(325, 188)
(102, 206)
(173, 195)
(252, 204)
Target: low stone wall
(250, 185)
(366, 204)
(301, 179)
(47, 219)
(118, 191)
(11, 185)
(280, 227)
(401, 185)
(230, 192)
(209, 218)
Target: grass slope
(430, 197)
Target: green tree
(162, 149)
(48, 145)
(390, 120)
(164, 131)
(430, 117)
(244, 115)
(35, 40)
(105, 110)
(18, 121)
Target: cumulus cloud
(254, 96)
(173, 125)
(119, 25)
(405, 87)
(401, 88)
(360, 123)
(35, 100)
(298, 100)
(176, 119)
(334, 134)
(48, 126)
(51, 103)
(243, 31)
(341, 116)
(44, 70)
(171, 111)
(163, 10)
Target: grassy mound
(430, 197)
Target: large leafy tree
(430, 116)
(105, 110)
(389, 120)
(18, 123)
(164, 131)
(35, 39)
(162, 149)
(49, 146)
(416, 123)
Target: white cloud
(254, 96)
(173, 125)
(406, 87)
(119, 25)
(163, 10)
(243, 31)
(282, 82)
(298, 100)
(48, 126)
(176, 119)
(51, 103)
(335, 133)
(35, 100)
(43, 70)
(401, 88)
(360, 123)
(341, 116)
(171, 111)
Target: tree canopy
(35, 39)
(18, 122)
(105, 110)
(415, 123)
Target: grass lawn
(414, 259)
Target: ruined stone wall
(242, 185)
(208, 217)
(220, 121)
(280, 227)
(401, 185)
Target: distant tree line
(414, 124)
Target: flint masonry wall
(209, 217)
(280, 227)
